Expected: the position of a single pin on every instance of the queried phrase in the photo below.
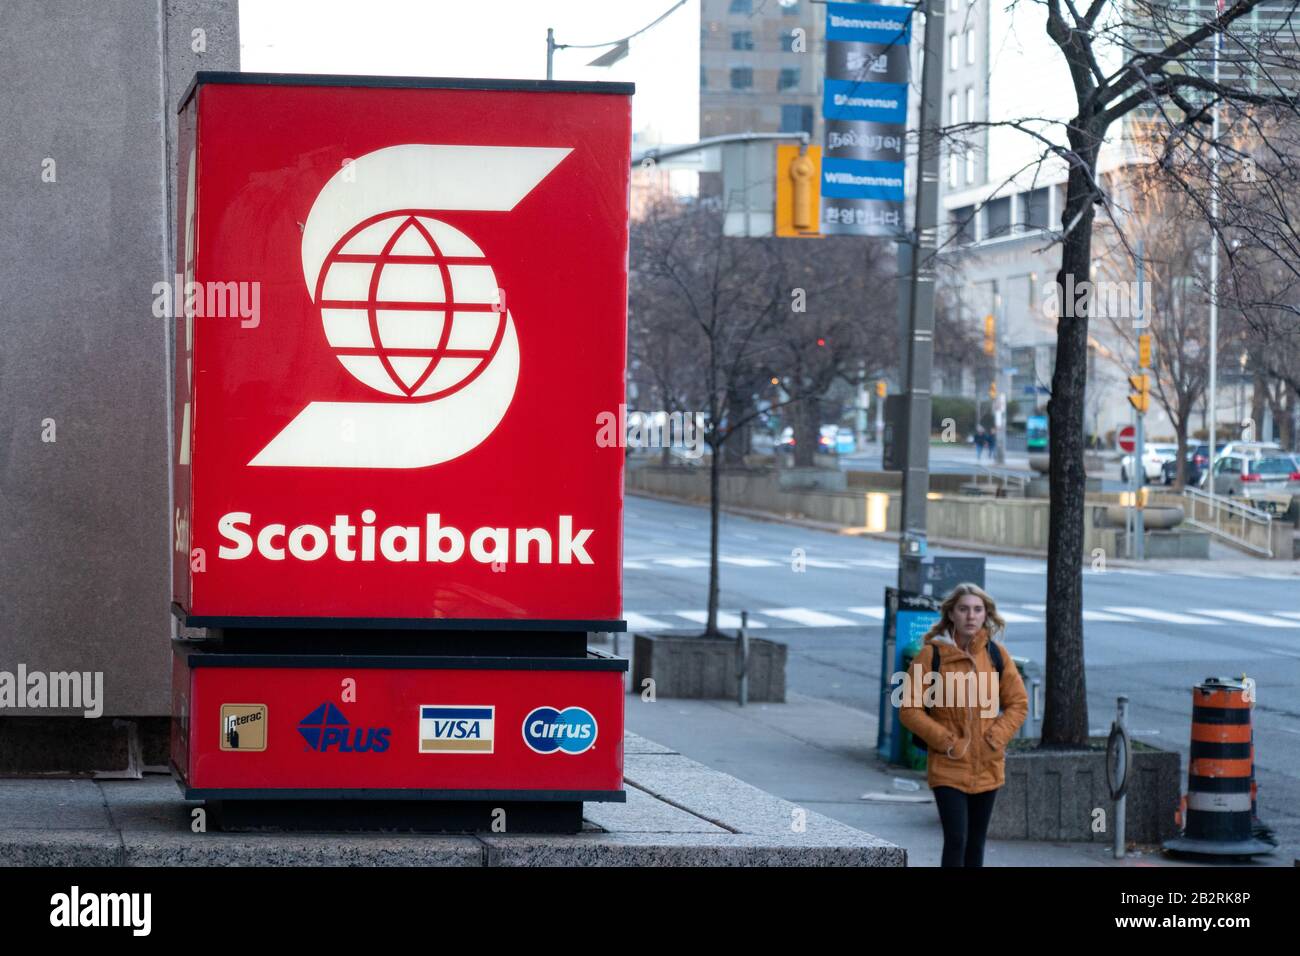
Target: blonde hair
(993, 621)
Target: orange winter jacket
(966, 736)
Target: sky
(488, 38)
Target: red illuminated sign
(402, 312)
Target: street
(1150, 633)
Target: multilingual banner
(864, 104)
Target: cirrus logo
(572, 730)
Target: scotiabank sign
(405, 425)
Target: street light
(609, 57)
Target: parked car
(1248, 477)
(1198, 456)
(1243, 450)
(837, 440)
(1154, 456)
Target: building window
(788, 78)
(952, 109)
(962, 222)
(997, 217)
(952, 5)
(970, 104)
(970, 46)
(954, 51)
(970, 166)
(787, 42)
(742, 77)
(796, 119)
(1034, 210)
(741, 6)
(952, 170)
(742, 40)
(704, 77)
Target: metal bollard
(1118, 760)
(744, 658)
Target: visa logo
(457, 728)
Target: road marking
(1040, 608)
(682, 562)
(1204, 574)
(1291, 614)
(725, 618)
(640, 622)
(746, 537)
(873, 563)
(1133, 571)
(750, 562)
(1103, 616)
(875, 613)
(822, 563)
(806, 617)
(1167, 617)
(635, 566)
(1011, 617)
(1242, 617)
(1016, 568)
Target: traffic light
(990, 335)
(881, 388)
(1141, 397)
(993, 389)
(798, 192)
(1144, 351)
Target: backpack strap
(934, 669)
(995, 653)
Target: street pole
(920, 311)
(1139, 519)
(1213, 398)
(1004, 386)
(550, 51)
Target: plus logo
(326, 729)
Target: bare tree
(727, 294)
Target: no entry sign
(398, 419)
(1127, 438)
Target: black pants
(965, 819)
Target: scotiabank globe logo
(411, 306)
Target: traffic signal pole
(919, 348)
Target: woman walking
(966, 737)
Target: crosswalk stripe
(725, 618)
(750, 562)
(1204, 574)
(823, 563)
(1105, 616)
(635, 566)
(1016, 568)
(1291, 614)
(1011, 617)
(805, 616)
(1166, 617)
(1242, 617)
(875, 613)
(873, 563)
(682, 562)
(640, 622)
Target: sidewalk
(821, 756)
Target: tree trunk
(736, 446)
(1065, 718)
(807, 431)
(1180, 469)
(715, 506)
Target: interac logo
(411, 306)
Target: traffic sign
(1127, 438)
(411, 430)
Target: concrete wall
(1012, 523)
(91, 85)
